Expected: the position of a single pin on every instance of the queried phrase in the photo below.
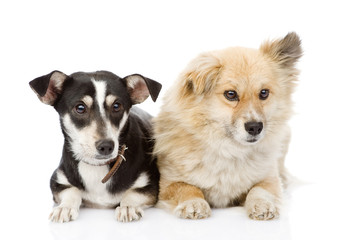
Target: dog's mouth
(100, 160)
(105, 160)
(252, 140)
(102, 157)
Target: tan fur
(201, 144)
(180, 192)
(189, 198)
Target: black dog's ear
(141, 87)
(48, 87)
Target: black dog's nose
(254, 128)
(105, 147)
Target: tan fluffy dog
(222, 133)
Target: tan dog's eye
(264, 94)
(231, 95)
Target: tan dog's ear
(201, 74)
(285, 51)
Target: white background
(157, 39)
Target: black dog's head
(93, 108)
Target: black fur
(136, 133)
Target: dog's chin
(96, 163)
(252, 141)
(98, 160)
(249, 141)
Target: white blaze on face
(110, 131)
(100, 88)
(103, 100)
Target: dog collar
(118, 160)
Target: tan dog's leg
(263, 200)
(185, 200)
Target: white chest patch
(96, 192)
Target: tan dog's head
(245, 92)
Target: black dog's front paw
(128, 213)
(61, 214)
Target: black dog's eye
(80, 108)
(116, 107)
(231, 95)
(264, 94)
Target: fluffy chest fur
(223, 170)
(227, 173)
(230, 173)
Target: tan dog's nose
(254, 128)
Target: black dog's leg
(133, 202)
(68, 198)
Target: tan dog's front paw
(260, 209)
(63, 214)
(128, 214)
(193, 209)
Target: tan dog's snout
(254, 128)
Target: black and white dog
(96, 119)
